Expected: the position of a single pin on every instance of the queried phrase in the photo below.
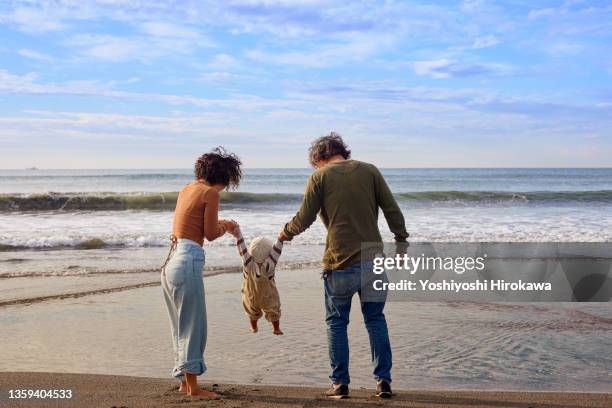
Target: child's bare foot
(254, 328)
(183, 387)
(277, 330)
(198, 392)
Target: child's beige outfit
(259, 293)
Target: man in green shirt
(347, 195)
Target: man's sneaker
(383, 389)
(337, 391)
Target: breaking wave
(500, 197)
(123, 201)
(167, 201)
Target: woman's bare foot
(183, 387)
(198, 392)
(254, 328)
(277, 330)
(194, 390)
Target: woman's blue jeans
(340, 286)
(183, 288)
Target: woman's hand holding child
(230, 226)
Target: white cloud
(433, 68)
(165, 29)
(445, 68)
(116, 49)
(401, 115)
(472, 5)
(183, 35)
(280, 17)
(485, 42)
(222, 77)
(35, 55)
(223, 61)
(539, 13)
(279, 2)
(357, 49)
(561, 48)
(19, 83)
(35, 20)
(29, 84)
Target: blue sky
(130, 84)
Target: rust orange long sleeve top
(197, 213)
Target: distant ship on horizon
(32, 168)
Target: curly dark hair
(219, 167)
(327, 146)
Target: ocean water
(109, 224)
(101, 235)
(58, 209)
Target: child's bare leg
(276, 326)
(194, 389)
(254, 326)
(183, 387)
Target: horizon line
(305, 168)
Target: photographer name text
(453, 286)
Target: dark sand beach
(122, 391)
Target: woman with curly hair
(195, 218)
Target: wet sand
(122, 391)
(436, 345)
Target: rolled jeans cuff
(195, 367)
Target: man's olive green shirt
(347, 195)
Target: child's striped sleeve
(275, 253)
(243, 251)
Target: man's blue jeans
(340, 286)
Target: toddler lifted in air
(259, 293)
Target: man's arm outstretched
(307, 214)
(390, 208)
